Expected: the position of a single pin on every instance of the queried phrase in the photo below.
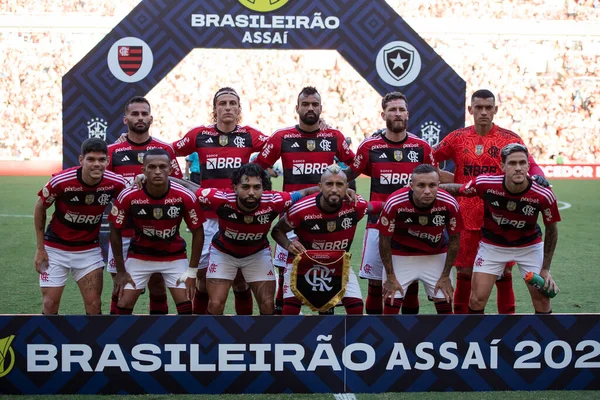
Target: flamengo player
(323, 221)
(70, 242)
(389, 159)
(222, 148)
(412, 243)
(156, 210)
(512, 203)
(475, 150)
(245, 217)
(126, 159)
(306, 151)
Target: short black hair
(308, 91)
(134, 100)
(483, 94)
(156, 152)
(393, 96)
(94, 145)
(251, 169)
(423, 169)
(513, 148)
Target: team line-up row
(415, 231)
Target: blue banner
(305, 354)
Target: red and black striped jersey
(242, 234)
(390, 164)
(304, 155)
(475, 155)
(75, 224)
(318, 229)
(509, 219)
(126, 159)
(419, 231)
(156, 221)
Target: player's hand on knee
(296, 248)
(40, 261)
(540, 180)
(121, 280)
(390, 287)
(445, 285)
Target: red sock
(291, 306)
(506, 295)
(410, 304)
(243, 302)
(471, 311)
(124, 311)
(200, 302)
(393, 309)
(443, 307)
(113, 304)
(353, 305)
(158, 304)
(462, 293)
(279, 296)
(374, 304)
(184, 308)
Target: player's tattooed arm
(445, 176)
(40, 261)
(186, 184)
(123, 277)
(391, 284)
(550, 240)
(452, 188)
(444, 283)
(279, 234)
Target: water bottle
(538, 282)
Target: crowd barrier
(304, 354)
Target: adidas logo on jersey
(382, 155)
(495, 203)
(270, 273)
(209, 140)
(233, 216)
(408, 221)
(315, 228)
(75, 198)
(126, 158)
(295, 144)
(142, 212)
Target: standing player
(306, 150)
(388, 158)
(222, 148)
(512, 203)
(70, 242)
(245, 217)
(475, 150)
(412, 242)
(156, 210)
(323, 221)
(126, 159)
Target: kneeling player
(512, 203)
(245, 217)
(71, 243)
(412, 242)
(323, 221)
(156, 210)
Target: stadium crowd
(546, 89)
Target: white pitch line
(563, 205)
(16, 216)
(344, 396)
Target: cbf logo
(318, 277)
(130, 59)
(97, 128)
(263, 5)
(398, 63)
(430, 132)
(7, 355)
